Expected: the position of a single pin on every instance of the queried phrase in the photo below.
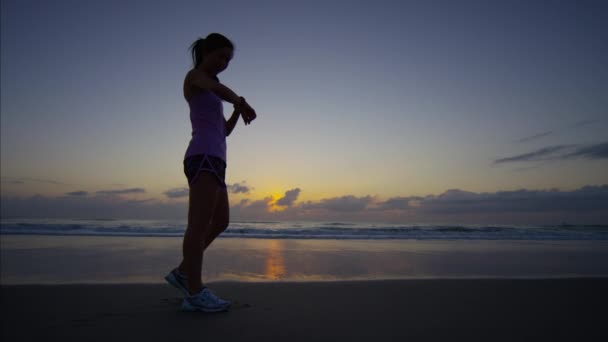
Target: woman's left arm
(230, 123)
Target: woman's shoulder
(196, 74)
(194, 83)
(191, 74)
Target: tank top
(208, 125)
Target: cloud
(347, 203)
(596, 151)
(22, 180)
(585, 199)
(177, 193)
(452, 206)
(456, 194)
(536, 155)
(583, 123)
(262, 205)
(237, 188)
(290, 197)
(12, 181)
(120, 192)
(77, 193)
(90, 207)
(247, 209)
(561, 152)
(398, 203)
(546, 133)
(588, 204)
(183, 192)
(535, 137)
(147, 200)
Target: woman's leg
(202, 203)
(221, 216)
(219, 222)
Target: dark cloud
(398, 203)
(561, 152)
(535, 137)
(546, 133)
(583, 123)
(456, 201)
(121, 192)
(596, 151)
(77, 193)
(183, 192)
(540, 154)
(177, 193)
(90, 207)
(237, 188)
(456, 194)
(262, 205)
(348, 203)
(14, 180)
(147, 200)
(588, 198)
(290, 197)
(246, 208)
(588, 203)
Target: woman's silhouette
(205, 165)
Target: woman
(205, 166)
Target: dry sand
(421, 310)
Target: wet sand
(419, 309)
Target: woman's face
(218, 60)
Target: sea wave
(291, 230)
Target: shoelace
(210, 294)
(214, 297)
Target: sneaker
(218, 299)
(204, 301)
(178, 280)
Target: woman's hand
(247, 112)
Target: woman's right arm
(205, 82)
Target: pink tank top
(208, 125)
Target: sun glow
(275, 263)
(272, 206)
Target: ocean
(305, 230)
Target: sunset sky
(379, 110)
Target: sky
(405, 111)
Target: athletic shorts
(195, 164)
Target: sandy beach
(423, 309)
(112, 288)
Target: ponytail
(202, 46)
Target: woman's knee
(220, 225)
(199, 233)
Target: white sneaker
(204, 301)
(218, 299)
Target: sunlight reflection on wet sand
(96, 259)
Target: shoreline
(315, 281)
(429, 309)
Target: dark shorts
(194, 165)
